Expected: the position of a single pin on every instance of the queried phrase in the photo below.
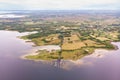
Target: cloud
(62, 4)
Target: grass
(48, 40)
(66, 54)
(44, 55)
(73, 47)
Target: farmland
(76, 33)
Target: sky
(59, 4)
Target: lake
(101, 65)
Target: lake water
(101, 65)
(11, 16)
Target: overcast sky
(59, 4)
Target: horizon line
(63, 10)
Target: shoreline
(34, 51)
(96, 52)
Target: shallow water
(101, 65)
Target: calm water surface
(102, 65)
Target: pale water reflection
(102, 65)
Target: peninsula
(76, 33)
